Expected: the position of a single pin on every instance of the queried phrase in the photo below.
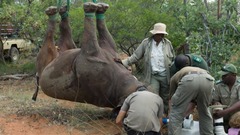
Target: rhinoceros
(91, 74)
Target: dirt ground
(19, 115)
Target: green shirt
(195, 61)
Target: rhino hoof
(102, 7)
(52, 10)
(63, 10)
(90, 7)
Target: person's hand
(125, 63)
(219, 113)
(130, 69)
(217, 103)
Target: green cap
(228, 68)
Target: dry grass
(15, 99)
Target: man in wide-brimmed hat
(158, 55)
(227, 92)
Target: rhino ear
(115, 112)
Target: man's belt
(197, 72)
(163, 73)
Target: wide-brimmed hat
(228, 68)
(159, 28)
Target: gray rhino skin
(92, 74)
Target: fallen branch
(16, 76)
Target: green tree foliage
(217, 39)
(130, 21)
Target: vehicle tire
(14, 54)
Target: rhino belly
(58, 79)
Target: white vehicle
(12, 44)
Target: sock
(52, 17)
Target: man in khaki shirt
(141, 113)
(190, 84)
(227, 92)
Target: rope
(94, 1)
(59, 4)
(68, 5)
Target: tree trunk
(238, 13)
(219, 9)
(206, 4)
(1, 52)
(208, 48)
(186, 48)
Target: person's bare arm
(221, 113)
(120, 117)
(161, 121)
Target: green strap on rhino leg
(59, 4)
(52, 17)
(64, 15)
(100, 16)
(89, 15)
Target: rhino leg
(48, 50)
(90, 45)
(65, 41)
(106, 40)
(34, 97)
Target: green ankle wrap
(52, 17)
(100, 16)
(64, 15)
(89, 15)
